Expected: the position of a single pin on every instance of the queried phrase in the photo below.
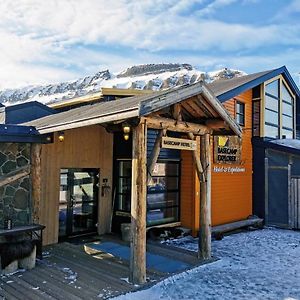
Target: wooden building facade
(92, 179)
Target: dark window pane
(271, 103)
(271, 117)
(162, 216)
(125, 168)
(256, 92)
(273, 88)
(240, 119)
(287, 109)
(124, 185)
(271, 131)
(286, 96)
(162, 200)
(256, 118)
(163, 169)
(159, 184)
(240, 113)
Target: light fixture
(126, 131)
(61, 136)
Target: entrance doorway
(78, 201)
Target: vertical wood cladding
(231, 193)
(87, 147)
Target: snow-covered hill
(149, 76)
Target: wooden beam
(216, 124)
(14, 175)
(138, 205)
(155, 153)
(196, 159)
(36, 179)
(221, 112)
(177, 126)
(177, 112)
(204, 250)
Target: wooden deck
(68, 272)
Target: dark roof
(20, 134)
(25, 112)
(137, 106)
(229, 88)
(283, 145)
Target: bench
(20, 246)
(219, 230)
(32, 232)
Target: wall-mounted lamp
(126, 131)
(61, 136)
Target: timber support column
(204, 251)
(138, 205)
(36, 180)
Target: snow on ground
(262, 264)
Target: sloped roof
(229, 88)
(137, 106)
(283, 145)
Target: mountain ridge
(143, 77)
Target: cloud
(59, 39)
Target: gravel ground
(262, 264)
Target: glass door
(78, 201)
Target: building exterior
(87, 178)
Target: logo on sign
(227, 149)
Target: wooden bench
(34, 232)
(219, 230)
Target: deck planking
(71, 271)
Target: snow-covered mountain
(142, 77)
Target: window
(287, 112)
(272, 102)
(279, 110)
(162, 192)
(240, 113)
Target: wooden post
(138, 205)
(196, 159)
(36, 151)
(204, 250)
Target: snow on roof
(291, 143)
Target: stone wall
(15, 198)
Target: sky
(59, 40)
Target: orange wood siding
(231, 193)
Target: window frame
(282, 83)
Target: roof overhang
(140, 106)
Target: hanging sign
(227, 149)
(180, 144)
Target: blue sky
(57, 40)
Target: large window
(272, 102)
(279, 110)
(162, 192)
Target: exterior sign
(227, 149)
(180, 144)
(229, 170)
